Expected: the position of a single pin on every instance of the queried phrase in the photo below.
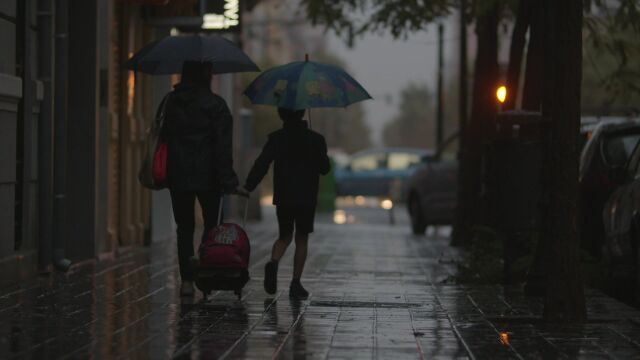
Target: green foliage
(611, 31)
(611, 70)
(343, 128)
(350, 18)
(594, 271)
(414, 125)
(622, 14)
(482, 262)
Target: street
(516, 123)
(377, 292)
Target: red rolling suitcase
(223, 257)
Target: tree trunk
(564, 298)
(483, 111)
(518, 38)
(532, 100)
(532, 91)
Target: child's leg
(304, 226)
(300, 256)
(285, 226)
(280, 246)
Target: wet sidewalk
(377, 293)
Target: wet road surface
(377, 292)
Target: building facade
(72, 130)
(278, 32)
(21, 94)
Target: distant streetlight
(501, 94)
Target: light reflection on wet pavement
(377, 292)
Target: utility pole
(440, 105)
(463, 164)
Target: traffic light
(501, 94)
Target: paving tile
(375, 294)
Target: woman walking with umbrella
(197, 130)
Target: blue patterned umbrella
(305, 85)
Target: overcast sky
(384, 66)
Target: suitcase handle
(246, 210)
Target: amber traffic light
(501, 94)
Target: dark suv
(605, 154)
(621, 218)
(432, 190)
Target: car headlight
(386, 204)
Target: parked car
(621, 219)
(604, 156)
(432, 190)
(376, 172)
(432, 194)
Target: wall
(162, 223)
(10, 94)
(20, 94)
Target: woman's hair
(290, 114)
(196, 73)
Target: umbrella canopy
(305, 85)
(166, 56)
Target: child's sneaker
(271, 277)
(296, 291)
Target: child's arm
(261, 165)
(325, 164)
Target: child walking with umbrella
(298, 153)
(300, 157)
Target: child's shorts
(300, 216)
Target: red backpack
(225, 247)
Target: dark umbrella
(166, 56)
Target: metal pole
(459, 227)
(60, 135)
(45, 134)
(440, 105)
(306, 59)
